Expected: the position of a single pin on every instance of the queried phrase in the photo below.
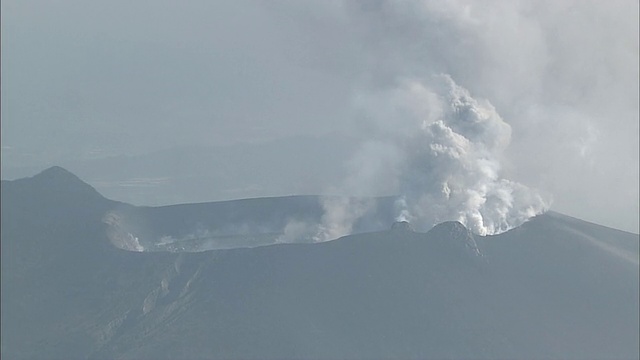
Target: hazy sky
(98, 78)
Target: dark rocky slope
(557, 287)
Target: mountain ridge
(547, 289)
(63, 178)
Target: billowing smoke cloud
(566, 85)
(451, 168)
(444, 150)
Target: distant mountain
(296, 165)
(555, 288)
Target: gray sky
(89, 78)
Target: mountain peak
(58, 175)
(57, 172)
(457, 235)
(59, 181)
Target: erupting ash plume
(446, 164)
(451, 168)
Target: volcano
(554, 288)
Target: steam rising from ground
(340, 215)
(444, 149)
(118, 234)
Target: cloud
(444, 149)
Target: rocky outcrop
(455, 236)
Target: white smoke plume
(296, 231)
(444, 160)
(451, 169)
(340, 215)
(567, 86)
(373, 171)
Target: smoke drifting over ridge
(443, 155)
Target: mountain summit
(57, 172)
(60, 180)
(53, 184)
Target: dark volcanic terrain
(554, 288)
